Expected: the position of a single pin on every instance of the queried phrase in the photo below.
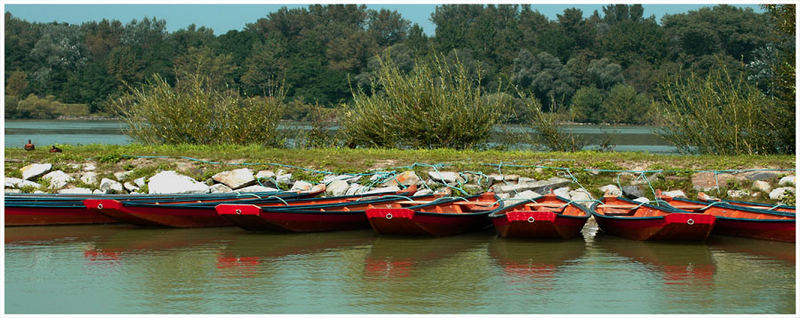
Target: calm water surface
(75, 132)
(122, 269)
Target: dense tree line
(602, 68)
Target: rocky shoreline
(85, 178)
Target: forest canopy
(604, 67)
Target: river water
(48, 132)
(105, 269)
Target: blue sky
(225, 17)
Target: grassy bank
(113, 158)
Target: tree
(624, 105)
(587, 104)
(265, 68)
(604, 74)
(16, 84)
(545, 76)
(202, 63)
(387, 27)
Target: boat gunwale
(733, 207)
(495, 213)
(668, 209)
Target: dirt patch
(385, 163)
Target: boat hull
(27, 216)
(254, 218)
(538, 224)
(168, 216)
(407, 222)
(773, 230)
(675, 226)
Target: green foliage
(624, 105)
(109, 158)
(547, 133)
(434, 106)
(721, 115)
(587, 104)
(198, 113)
(44, 108)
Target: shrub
(624, 105)
(721, 115)
(196, 112)
(547, 133)
(435, 105)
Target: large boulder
(19, 183)
(780, 193)
(632, 192)
(383, 189)
(581, 196)
(112, 186)
(562, 192)
(58, 179)
(219, 188)
(761, 175)
(448, 177)
(406, 178)
(172, 182)
(762, 186)
(301, 185)
(543, 186)
(611, 190)
(786, 181)
(89, 178)
(235, 179)
(34, 170)
(337, 188)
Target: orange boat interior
(716, 210)
(613, 206)
(548, 203)
(482, 203)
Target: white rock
(780, 193)
(562, 192)
(38, 192)
(34, 170)
(172, 182)
(423, 192)
(642, 199)
(13, 182)
(504, 196)
(675, 194)
(345, 177)
(406, 178)
(265, 174)
(89, 167)
(445, 191)
(787, 180)
(543, 186)
(611, 190)
(108, 185)
(284, 178)
(130, 187)
(98, 191)
(354, 188)
(705, 197)
(76, 191)
(581, 196)
(445, 176)
(13, 191)
(762, 186)
(502, 178)
(337, 188)
(58, 179)
(738, 193)
(317, 188)
(139, 182)
(257, 188)
(220, 188)
(383, 189)
(235, 179)
(528, 194)
(89, 178)
(301, 185)
(122, 175)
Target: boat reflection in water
(534, 262)
(53, 235)
(679, 263)
(753, 249)
(136, 242)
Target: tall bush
(719, 114)
(195, 112)
(436, 105)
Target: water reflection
(51, 235)
(687, 264)
(772, 250)
(534, 262)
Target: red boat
(754, 205)
(634, 220)
(58, 209)
(735, 220)
(445, 216)
(337, 216)
(181, 213)
(547, 216)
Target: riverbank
(736, 176)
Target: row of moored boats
(548, 216)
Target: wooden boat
(441, 217)
(347, 214)
(736, 220)
(633, 220)
(198, 213)
(547, 216)
(754, 205)
(50, 209)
